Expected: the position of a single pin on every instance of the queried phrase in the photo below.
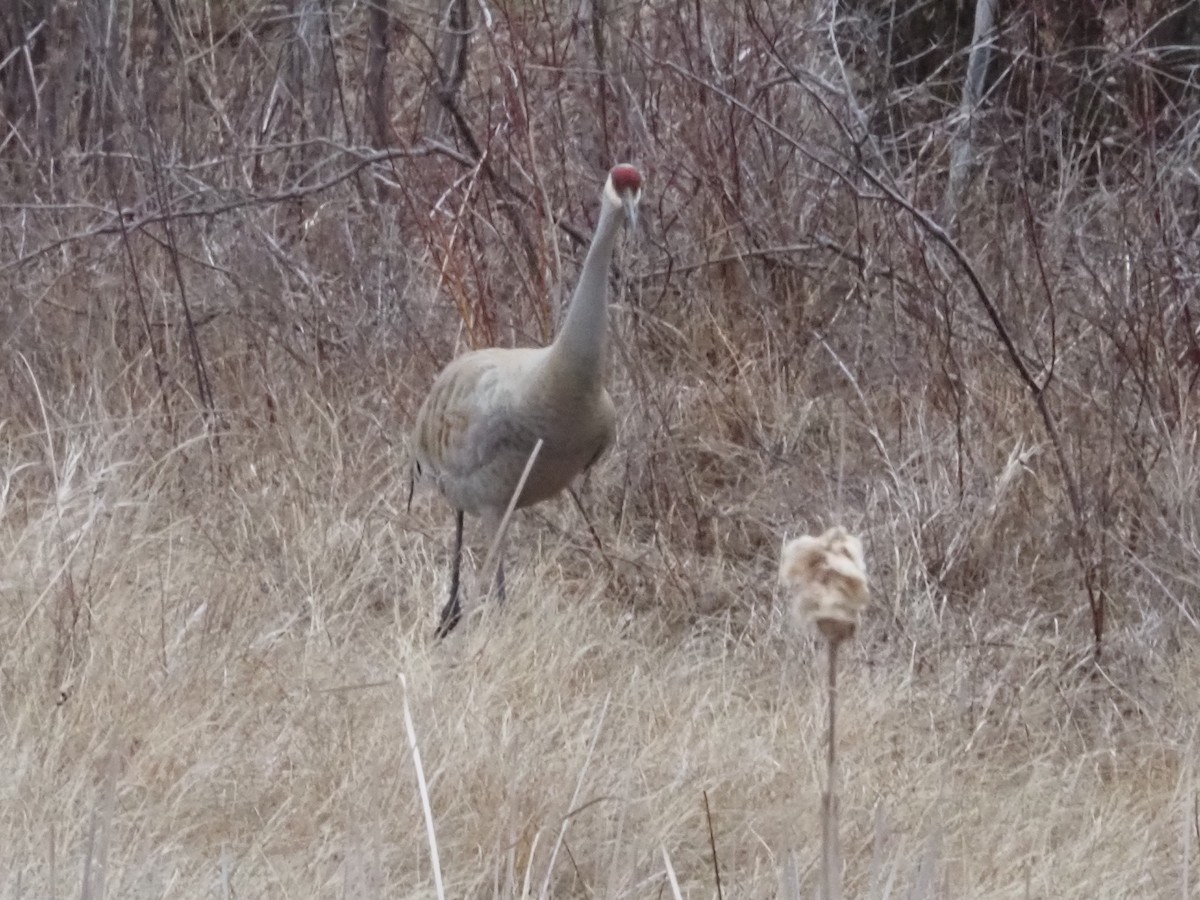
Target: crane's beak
(629, 201)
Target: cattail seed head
(826, 581)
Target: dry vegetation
(237, 243)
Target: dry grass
(202, 693)
(216, 613)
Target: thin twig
(712, 843)
(114, 226)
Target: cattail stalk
(831, 855)
(826, 580)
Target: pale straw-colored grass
(203, 697)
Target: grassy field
(223, 712)
(218, 676)
(206, 678)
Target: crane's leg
(500, 581)
(452, 611)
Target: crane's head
(624, 189)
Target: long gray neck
(578, 351)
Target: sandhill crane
(487, 409)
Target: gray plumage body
(486, 411)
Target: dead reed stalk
(827, 586)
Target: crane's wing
(465, 424)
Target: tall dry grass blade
(616, 865)
(498, 537)
(926, 868)
(671, 875)
(53, 868)
(108, 810)
(880, 890)
(527, 879)
(95, 861)
(37, 389)
(422, 787)
(88, 848)
(226, 874)
(1190, 822)
(789, 878)
(587, 761)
